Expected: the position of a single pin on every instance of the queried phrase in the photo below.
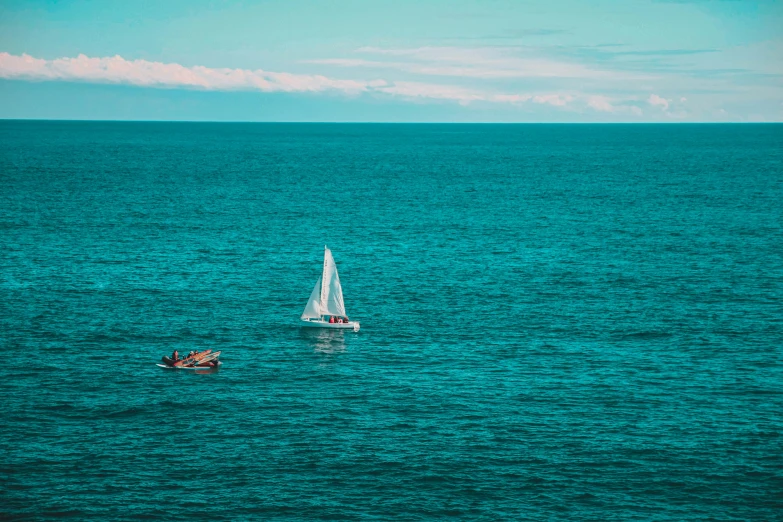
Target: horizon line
(348, 122)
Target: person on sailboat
(331, 319)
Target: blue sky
(490, 60)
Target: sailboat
(325, 308)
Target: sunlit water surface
(558, 322)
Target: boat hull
(165, 367)
(351, 325)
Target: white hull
(219, 364)
(352, 325)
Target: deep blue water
(576, 322)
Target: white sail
(331, 291)
(313, 308)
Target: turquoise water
(576, 322)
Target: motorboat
(198, 361)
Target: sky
(393, 61)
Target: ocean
(559, 322)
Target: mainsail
(331, 291)
(327, 296)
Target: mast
(324, 281)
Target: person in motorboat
(173, 360)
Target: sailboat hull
(352, 325)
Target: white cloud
(144, 73)
(117, 69)
(605, 104)
(683, 99)
(432, 91)
(558, 100)
(486, 63)
(465, 96)
(657, 101)
(512, 98)
(600, 103)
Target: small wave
(128, 412)
(646, 335)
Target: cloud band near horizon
(143, 73)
